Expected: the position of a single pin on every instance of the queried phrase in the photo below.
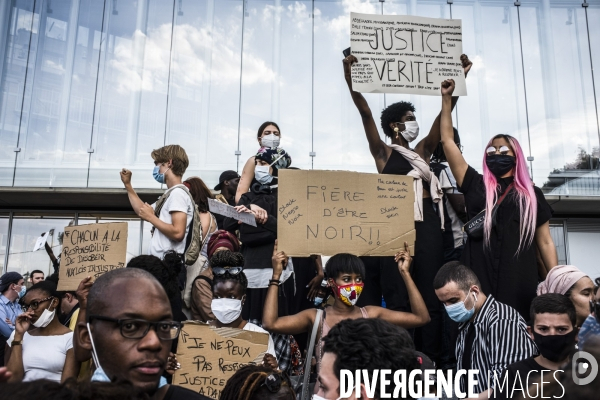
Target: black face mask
(555, 347)
(500, 164)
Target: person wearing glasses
(513, 212)
(255, 382)
(129, 331)
(40, 346)
(229, 286)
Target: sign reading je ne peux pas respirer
(406, 54)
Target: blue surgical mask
(261, 173)
(22, 291)
(459, 313)
(158, 177)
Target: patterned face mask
(349, 294)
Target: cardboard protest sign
(217, 207)
(91, 250)
(209, 356)
(406, 54)
(330, 212)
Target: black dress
(512, 279)
(428, 259)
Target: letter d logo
(577, 368)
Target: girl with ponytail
(516, 216)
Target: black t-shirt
(520, 377)
(179, 393)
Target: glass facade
(89, 87)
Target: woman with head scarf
(570, 281)
(200, 304)
(258, 242)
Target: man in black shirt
(554, 332)
(130, 330)
(228, 183)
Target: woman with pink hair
(514, 212)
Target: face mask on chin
(45, 319)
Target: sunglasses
(274, 381)
(34, 304)
(229, 270)
(504, 150)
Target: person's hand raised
(126, 176)
(404, 259)
(466, 63)
(279, 261)
(270, 361)
(448, 87)
(83, 290)
(348, 61)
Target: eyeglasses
(132, 328)
(229, 270)
(274, 381)
(502, 149)
(34, 304)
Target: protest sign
(217, 207)
(91, 250)
(330, 212)
(209, 356)
(406, 54)
(41, 241)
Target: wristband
(16, 343)
(277, 281)
(274, 283)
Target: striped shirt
(500, 339)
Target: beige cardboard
(91, 250)
(209, 356)
(331, 212)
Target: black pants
(383, 280)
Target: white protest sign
(406, 54)
(217, 207)
(41, 241)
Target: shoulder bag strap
(508, 189)
(311, 347)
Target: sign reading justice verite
(330, 212)
(91, 250)
(209, 356)
(406, 54)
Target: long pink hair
(523, 190)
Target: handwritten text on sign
(330, 212)
(210, 356)
(91, 250)
(406, 54)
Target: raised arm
(245, 179)
(81, 354)
(379, 150)
(134, 199)
(426, 147)
(271, 321)
(419, 315)
(457, 162)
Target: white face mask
(226, 310)
(45, 319)
(271, 141)
(261, 173)
(411, 132)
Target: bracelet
(16, 343)
(277, 281)
(274, 283)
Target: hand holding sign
(404, 259)
(279, 261)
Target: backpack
(193, 240)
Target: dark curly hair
(70, 389)
(393, 113)
(247, 384)
(228, 258)
(370, 344)
(167, 276)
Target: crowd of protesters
(491, 298)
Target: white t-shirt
(255, 328)
(178, 200)
(44, 356)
